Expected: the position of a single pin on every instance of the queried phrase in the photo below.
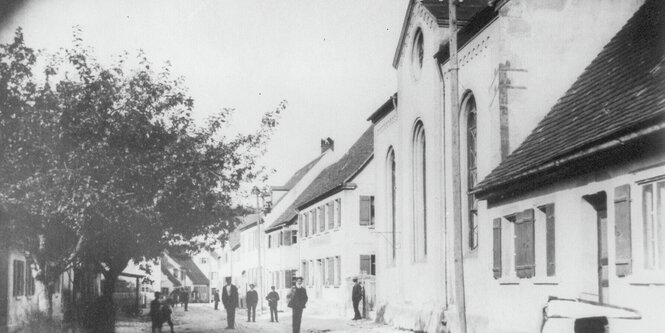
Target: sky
(331, 60)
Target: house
(282, 258)
(449, 125)
(577, 210)
(187, 274)
(336, 223)
(247, 267)
(209, 261)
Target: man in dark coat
(297, 304)
(230, 301)
(356, 296)
(252, 299)
(215, 298)
(185, 297)
(272, 299)
(156, 314)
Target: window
(281, 238)
(213, 275)
(29, 281)
(419, 194)
(524, 244)
(392, 192)
(294, 237)
(204, 260)
(366, 210)
(175, 273)
(322, 218)
(19, 278)
(331, 214)
(417, 53)
(306, 223)
(471, 146)
(653, 214)
(338, 271)
(368, 264)
(338, 212)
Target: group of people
(160, 310)
(297, 301)
(160, 313)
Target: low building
(188, 275)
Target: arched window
(471, 147)
(391, 178)
(419, 194)
(417, 53)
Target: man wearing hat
(297, 303)
(356, 296)
(252, 298)
(230, 301)
(156, 314)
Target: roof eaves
(384, 109)
(402, 35)
(486, 189)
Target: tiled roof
(336, 175)
(247, 221)
(620, 93)
(167, 270)
(297, 176)
(287, 216)
(192, 271)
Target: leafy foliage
(101, 164)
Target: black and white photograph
(346, 166)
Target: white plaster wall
(510, 304)
(348, 241)
(22, 308)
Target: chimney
(327, 144)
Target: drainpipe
(458, 233)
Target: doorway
(599, 203)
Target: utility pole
(458, 230)
(257, 192)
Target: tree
(103, 164)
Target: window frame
(419, 186)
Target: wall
(510, 304)
(348, 241)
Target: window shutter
(524, 245)
(322, 218)
(331, 215)
(497, 248)
(365, 210)
(313, 217)
(339, 212)
(622, 230)
(550, 239)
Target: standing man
(156, 314)
(297, 304)
(230, 302)
(185, 297)
(252, 299)
(356, 296)
(272, 299)
(215, 297)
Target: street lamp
(258, 194)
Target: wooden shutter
(497, 248)
(314, 221)
(550, 239)
(622, 230)
(365, 210)
(331, 215)
(322, 218)
(339, 212)
(524, 245)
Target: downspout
(458, 233)
(444, 169)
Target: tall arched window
(392, 201)
(419, 194)
(471, 148)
